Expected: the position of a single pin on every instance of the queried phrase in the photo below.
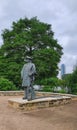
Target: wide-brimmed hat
(28, 57)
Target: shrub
(6, 85)
(62, 91)
(50, 83)
(47, 89)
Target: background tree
(73, 82)
(33, 38)
(70, 81)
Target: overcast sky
(61, 14)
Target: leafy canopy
(33, 38)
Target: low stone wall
(38, 94)
(11, 93)
(47, 94)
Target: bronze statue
(28, 75)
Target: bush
(74, 88)
(50, 83)
(62, 91)
(6, 85)
(47, 89)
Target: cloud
(71, 47)
(71, 5)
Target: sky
(61, 14)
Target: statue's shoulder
(24, 65)
(32, 64)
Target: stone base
(39, 103)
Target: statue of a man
(27, 75)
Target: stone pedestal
(39, 103)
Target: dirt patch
(55, 118)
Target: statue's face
(28, 60)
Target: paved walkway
(55, 118)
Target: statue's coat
(27, 74)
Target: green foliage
(62, 91)
(71, 82)
(47, 88)
(33, 38)
(50, 83)
(6, 85)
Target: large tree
(33, 38)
